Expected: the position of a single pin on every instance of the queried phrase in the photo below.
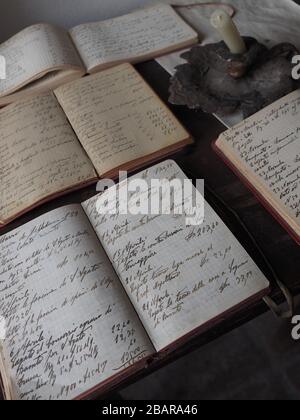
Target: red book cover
(257, 194)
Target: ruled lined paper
(132, 37)
(178, 277)
(35, 51)
(265, 148)
(70, 325)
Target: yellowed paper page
(70, 325)
(34, 52)
(137, 36)
(265, 149)
(39, 155)
(118, 118)
(40, 86)
(178, 277)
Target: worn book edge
(48, 198)
(260, 192)
(41, 83)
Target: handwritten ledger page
(134, 37)
(119, 119)
(179, 278)
(265, 149)
(70, 325)
(34, 52)
(39, 155)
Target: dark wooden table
(229, 197)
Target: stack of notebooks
(89, 298)
(89, 127)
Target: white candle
(229, 32)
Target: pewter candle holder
(217, 81)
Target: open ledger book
(90, 297)
(264, 151)
(43, 57)
(89, 128)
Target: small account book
(42, 57)
(89, 298)
(87, 129)
(264, 151)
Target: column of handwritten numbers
(143, 126)
(161, 120)
(125, 333)
(154, 121)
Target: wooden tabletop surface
(230, 198)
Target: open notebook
(89, 128)
(43, 57)
(264, 151)
(90, 297)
